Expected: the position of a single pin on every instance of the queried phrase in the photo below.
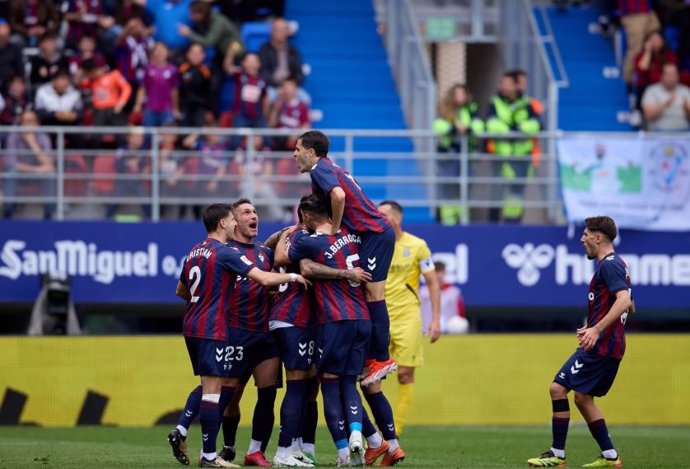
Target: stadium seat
(255, 34)
(103, 166)
(75, 165)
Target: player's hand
(303, 281)
(434, 332)
(358, 275)
(587, 337)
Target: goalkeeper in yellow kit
(411, 259)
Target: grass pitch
(442, 446)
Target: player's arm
(270, 279)
(182, 291)
(280, 252)
(312, 269)
(434, 331)
(337, 196)
(588, 336)
(272, 240)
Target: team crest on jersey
(610, 258)
(261, 257)
(406, 252)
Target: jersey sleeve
(231, 259)
(324, 178)
(613, 275)
(303, 247)
(426, 263)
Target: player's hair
(394, 205)
(440, 266)
(241, 201)
(316, 140)
(604, 225)
(314, 205)
(213, 214)
(517, 73)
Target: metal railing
(103, 178)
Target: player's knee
(406, 375)
(581, 400)
(557, 391)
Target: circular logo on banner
(669, 170)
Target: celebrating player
(591, 370)
(350, 207)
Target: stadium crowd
(152, 63)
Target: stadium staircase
(596, 99)
(352, 84)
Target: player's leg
(350, 397)
(560, 420)
(601, 372)
(307, 441)
(375, 256)
(209, 416)
(178, 436)
(231, 420)
(296, 350)
(376, 445)
(265, 375)
(383, 415)
(408, 352)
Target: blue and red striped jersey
(360, 213)
(631, 7)
(249, 300)
(209, 272)
(610, 277)
(291, 304)
(334, 300)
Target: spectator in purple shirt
(158, 95)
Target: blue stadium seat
(255, 34)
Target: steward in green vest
(509, 112)
(458, 118)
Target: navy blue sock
(226, 393)
(262, 423)
(191, 408)
(292, 411)
(559, 429)
(380, 329)
(333, 411)
(368, 428)
(352, 402)
(383, 414)
(311, 411)
(209, 416)
(230, 425)
(601, 434)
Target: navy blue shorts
(588, 373)
(246, 349)
(297, 345)
(208, 356)
(376, 253)
(342, 347)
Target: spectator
(681, 19)
(11, 58)
(158, 94)
(250, 95)
(86, 49)
(509, 112)
(452, 304)
(57, 102)
(167, 16)
(254, 177)
(109, 94)
(650, 61)
(195, 82)
(212, 30)
(85, 18)
(48, 61)
(289, 112)
(279, 59)
(521, 78)
(132, 161)
(132, 51)
(29, 153)
(16, 99)
(33, 19)
(638, 20)
(666, 105)
(457, 118)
